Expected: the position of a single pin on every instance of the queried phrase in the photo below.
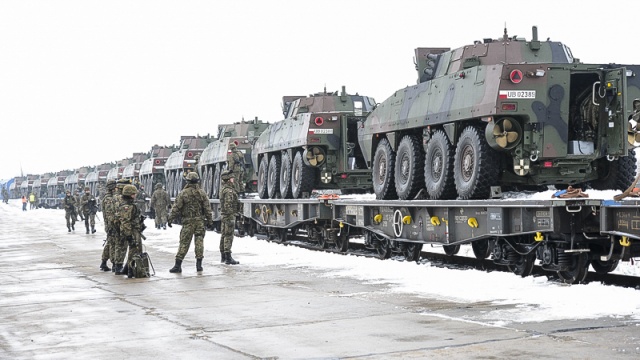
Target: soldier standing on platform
(228, 210)
(159, 203)
(108, 213)
(235, 164)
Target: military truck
(55, 189)
(96, 179)
(213, 159)
(183, 161)
(314, 147)
(506, 112)
(152, 169)
(76, 180)
(40, 189)
(132, 170)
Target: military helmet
(233, 145)
(193, 177)
(158, 186)
(226, 175)
(122, 182)
(129, 190)
(111, 184)
(86, 188)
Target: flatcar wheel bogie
(451, 250)
(578, 270)
(322, 242)
(524, 266)
(251, 231)
(383, 248)
(604, 267)
(342, 242)
(411, 251)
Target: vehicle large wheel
(604, 267)
(476, 165)
(303, 177)
(451, 250)
(578, 270)
(382, 172)
(524, 265)
(273, 176)
(617, 174)
(205, 183)
(438, 167)
(215, 183)
(409, 168)
(285, 176)
(263, 168)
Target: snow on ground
(535, 299)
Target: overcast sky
(86, 82)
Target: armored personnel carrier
(214, 158)
(76, 180)
(183, 161)
(132, 170)
(506, 112)
(152, 169)
(55, 189)
(314, 147)
(97, 179)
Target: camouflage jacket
(160, 199)
(235, 161)
(191, 204)
(69, 203)
(129, 218)
(85, 203)
(109, 207)
(228, 200)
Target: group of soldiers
(84, 205)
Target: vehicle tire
(215, 183)
(476, 165)
(481, 249)
(273, 176)
(451, 250)
(617, 174)
(303, 177)
(285, 176)
(438, 167)
(382, 171)
(263, 168)
(409, 168)
(524, 265)
(411, 251)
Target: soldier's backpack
(142, 266)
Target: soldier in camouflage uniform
(235, 163)
(159, 203)
(130, 226)
(228, 210)
(108, 213)
(89, 206)
(78, 208)
(120, 244)
(69, 204)
(192, 205)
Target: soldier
(130, 225)
(108, 213)
(119, 241)
(235, 163)
(77, 209)
(141, 199)
(192, 205)
(5, 195)
(89, 208)
(159, 203)
(69, 203)
(228, 209)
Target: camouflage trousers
(195, 229)
(70, 216)
(161, 216)
(120, 245)
(89, 219)
(109, 249)
(135, 248)
(227, 227)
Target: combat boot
(73, 227)
(223, 257)
(87, 229)
(177, 267)
(93, 230)
(198, 264)
(69, 228)
(104, 266)
(229, 260)
(125, 269)
(119, 269)
(129, 272)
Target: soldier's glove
(169, 224)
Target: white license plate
(517, 94)
(321, 131)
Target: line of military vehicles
(507, 112)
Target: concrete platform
(56, 304)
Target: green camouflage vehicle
(506, 112)
(314, 147)
(214, 158)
